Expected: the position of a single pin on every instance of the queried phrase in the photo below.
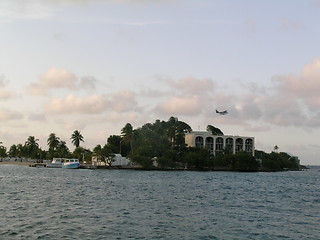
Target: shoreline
(16, 163)
(93, 167)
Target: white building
(217, 143)
(118, 161)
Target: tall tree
(62, 149)
(114, 142)
(3, 151)
(32, 143)
(32, 147)
(21, 150)
(53, 141)
(127, 135)
(176, 131)
(97, 152)
(13, 151)
(76, 138)
(82, 154)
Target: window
(239, 145)
(249, 145)
(229, 145)
(199, 142)
(219, 144)
(209, 144)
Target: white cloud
(123, 101)
(187, 96)
(56, 78)
(71, 104)
(21, 9)
(291, 100)
(290, 24)
(181, 106)
(304, 86)
(11, 10)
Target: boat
(71, 163)
(55, 163)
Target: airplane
(222, 112)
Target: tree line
(56, 148)
(155, 145)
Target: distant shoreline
(86, 166)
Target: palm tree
(32, 142)
(97, 152)
(53, 141)
(13, 151)
(176, 131)
(21, 150)
(76, 138)
(32, 146)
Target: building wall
(118, 161)
(217, 143)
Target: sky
(95, 65)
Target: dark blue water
(41, 203)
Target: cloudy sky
(94, 65)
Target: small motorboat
(71, 163)
(55, 163)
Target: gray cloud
(88, 83)
(4, 93)
(7, 115)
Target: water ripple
(40, 203)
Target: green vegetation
(158, 145)
(275, 161)
(76, 138)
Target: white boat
(55, 163)
(71, 163)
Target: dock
(37, 165)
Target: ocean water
(42, 203)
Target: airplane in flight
(222, 112)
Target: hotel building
(217, 143)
